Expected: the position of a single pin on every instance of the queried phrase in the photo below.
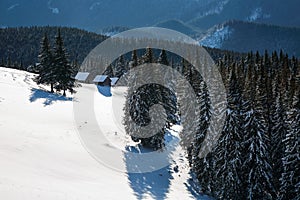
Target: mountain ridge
(248, 36)
(94, 15)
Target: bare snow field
(41, 155)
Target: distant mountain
(94, 15)
(178, 26)
(277, 12)
(173, 24)
(246, 36)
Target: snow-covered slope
(216, 36)
(41, 156)
(247, 36)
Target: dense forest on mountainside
(20, 47)
(257, 154)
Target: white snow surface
(41, 155)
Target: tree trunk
(52, 90)
(64, 93)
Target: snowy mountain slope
(215, 38)
(41, 155)
(274, 12)
(245, 36)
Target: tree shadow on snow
(193, 187)
(153, 183)
(104, 90)
(49, 97)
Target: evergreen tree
(277, 128)
(290, 180)
(162, 59)
(256, 166)
(228, 153)
(109, 71)
(202, 167)
(147, 57)
(119, 69)
(62, 68)
(139, 103)
(134, 59)
(45, 67)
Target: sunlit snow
(42, 157)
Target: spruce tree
(45, 67)
(134, 59)
(290, 180)
(147, 57)
(109, 71)
(162, 59)
(277, 128)
(202, 167)
(119, 69)
(139, 102)
(257, 168)
(62, 68)
(228, 152)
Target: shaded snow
(215, 10)
(216, 38)
(94, 5)
(256, 14)
(12, 7)
(53, 9)
(110, 34)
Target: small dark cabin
(102, 80)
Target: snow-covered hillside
(215, 37)
(41, 155)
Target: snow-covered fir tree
(228, 154)
(256, 164)
(202, 167)
(54, 68)
(62, 68)
(120, 67)
(45, 68)
(139, 102)
(277, 126)
(290, 180)
(162, 59)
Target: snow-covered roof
(81, 76)
(114, 80)
(100, 78)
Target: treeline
(257, 155)
(19, 47)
